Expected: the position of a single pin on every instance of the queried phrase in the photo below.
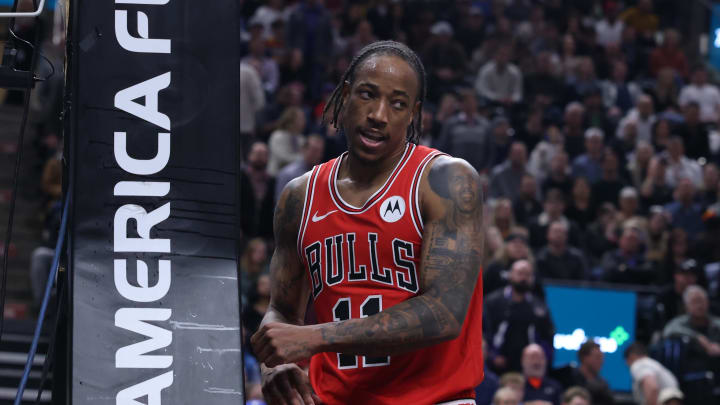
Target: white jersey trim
(458, 402)
(307, 208)
(332, 182)
(415, 187)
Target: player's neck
(368, 173)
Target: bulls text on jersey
(330, 268)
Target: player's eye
(364, 94)
(399, 105)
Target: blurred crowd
(596, 128)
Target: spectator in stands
(589, 164)
(515, 381)
(253, 263)
(697, 324)
(587, 374)
(641, 18)
(501, 139)
(500, 81)
(507, 177)
(252, 100)
(472, 29)
(266, 66)
(267, 14)
(286, 141)
(670, 396)
(639, 162)
(312, 153)
(669, 55)
(608, 31)
(618, 92)
(506, 396)
(310, 36)
(642, 117)
(573, 129)
(680, 166)
(465, 135)
(444, 59)
(608, 187)
(558, 175)
(553, 210)
(648, 376)
(706, 95)
(363, 36)
(503, 218)
(694, 133)
(665, 92)
(569, 59)
(289, 95)
(538, 386)
(533, 131)
(630, 208)
(661, 134)
(545, 151)
(581, 208)
(602, 234)
(627, 264)
(257, 198)
(685, 212)
(654, 189)
(711, 185)
(577, 396)
(672, 296)
(526, 204)
(557, 260)
(258, 302)
(658, 235)
(542, 85)
(510, 315)
(485, 392)
(495, 274)
(583, 81)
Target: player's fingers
(316, 398)
(302, 385)
(286, 390)
(272, 395)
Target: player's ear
(416, 110)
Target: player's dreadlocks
(335, 103)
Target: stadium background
(603, 101)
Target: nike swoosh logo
(316, 218)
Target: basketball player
(387, 241)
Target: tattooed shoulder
(458, 185)
(288, 211)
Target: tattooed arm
(289, 294)
(452, 249)
(289, 287)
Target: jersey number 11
(341, 312)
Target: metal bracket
(25, 14)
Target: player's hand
(280, 343)
(287, 384)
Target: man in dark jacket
(257, 190)
(515, 317)
(557, 259)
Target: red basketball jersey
(362, 260)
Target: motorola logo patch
(392, 209)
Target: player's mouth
(370, 138)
